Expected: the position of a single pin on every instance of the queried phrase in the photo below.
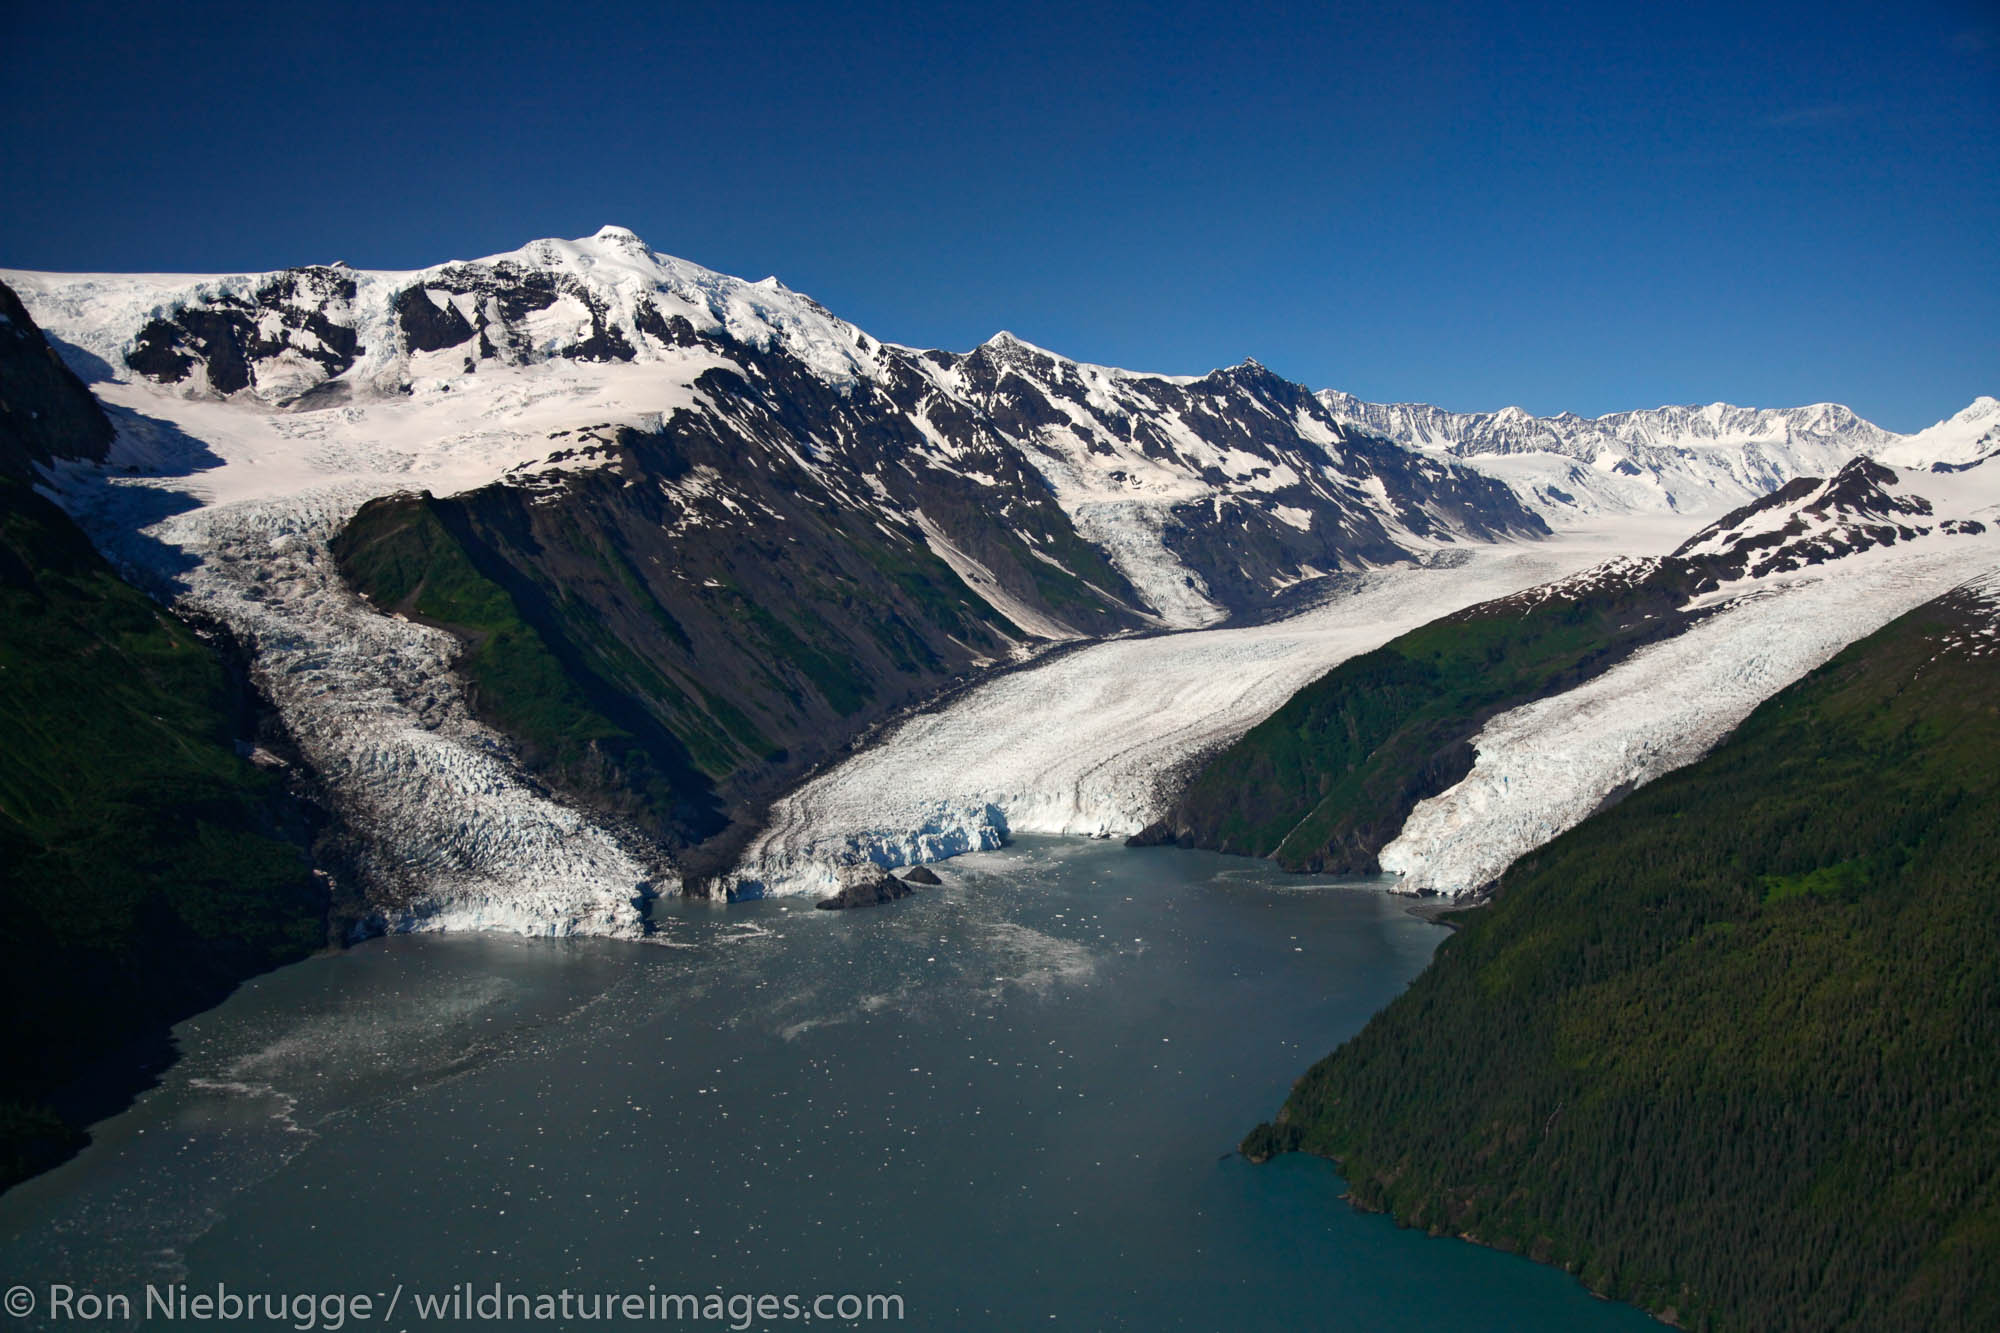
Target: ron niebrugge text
(466, 1302)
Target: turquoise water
(1009, 1101)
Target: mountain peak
(1004, 343)
(1967, 436)
(1248, 371)
(612, 232)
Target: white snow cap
(1966, 436)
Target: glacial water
(1009, 1101)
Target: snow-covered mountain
(1237, 479)
(1692, 460)
(714, 531)
(562, 564)
(1966, 437)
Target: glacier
(1544, 767)
(225, 502)
(1090, 741)
(454, 837)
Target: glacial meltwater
(1009, 1102)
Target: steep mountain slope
(46, 413)
(1725, 1050)
(1691, 460)
(1243, 479)
(1459, 746)
(1236, 478)
(663, 680)
(654, 541)
(146, 864)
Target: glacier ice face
(1091, 741)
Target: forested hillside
(1727, 1049)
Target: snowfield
(1086, 743)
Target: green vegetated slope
(145, 867)
(1324, 783)
(551, 695)
(669, 664)
(1728, 1049)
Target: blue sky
(1556, 205)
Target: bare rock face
(290, 334)
(871, 886)
(46, 413)
(866, 893)
(1811, 521)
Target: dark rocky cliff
(146, 863)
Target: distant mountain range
(1679, 459)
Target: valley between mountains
(562, 567)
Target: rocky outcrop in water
(868, 892)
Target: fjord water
(1009, 1100)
